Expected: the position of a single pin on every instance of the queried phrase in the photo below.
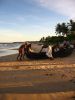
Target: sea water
(9, 48)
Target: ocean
(9, 48)
(12, 48)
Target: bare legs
(20, 56)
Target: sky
(29, 20)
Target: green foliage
(62, 29)
(53, 39)
(71, 37)
(58, 39)
(42, 39)
(58, 28)
(72, 25)
(65, 28)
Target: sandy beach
(37, 79)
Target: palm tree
(64, 29)
(58, 29)
(61, 29)
(72, 27)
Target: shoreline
(13, 57)
(8, 58)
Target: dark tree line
(61, 30)
(65, 28)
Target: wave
(9, 48)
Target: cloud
(10, 35)
(64, 7)
(7, 35)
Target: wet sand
(37, 79)
(47, 96)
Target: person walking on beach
(22, 50)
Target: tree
(58, 29)
(71, 26)
(42, 39)
(62, 29)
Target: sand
(37, 79)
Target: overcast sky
(22, 20)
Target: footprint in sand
(72, 80)
(49, 74)
(63, 76)
(73, 97)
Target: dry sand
(37, 79)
